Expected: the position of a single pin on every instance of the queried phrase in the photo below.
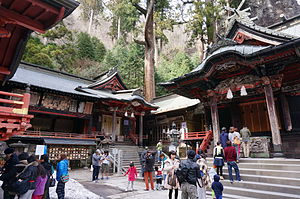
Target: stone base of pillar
(277, 151)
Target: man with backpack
(188, 175)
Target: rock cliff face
(269, 11)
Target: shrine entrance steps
(264, 179)
(130, 153)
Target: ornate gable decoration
(243, 30)
(110, 80)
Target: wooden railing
(194, 135)
(59, 135)
(14, 118)
(206, 141)
(19, 106)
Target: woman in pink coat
(132, 175)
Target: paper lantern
(229, 94)
(243, 91)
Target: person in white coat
(171, 182)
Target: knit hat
(191, 154)
(9, 151)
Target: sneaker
(126, 190)
(231, 181)
(240, 181)
(106, 178)
(146, 189)
(102, 178)
(221, 177)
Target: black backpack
(19, 186)
(181, 174)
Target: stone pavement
(118, 183)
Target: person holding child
(171, 181)
(132, 175)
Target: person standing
(205, 181)
(230, 158)
(132, 175)
(159, 148)
(96, 157)
(219, 159)
(9, 171)
(49, 169)
(148, 170)
(193, 173)
(224, 137)
(245, 133)
(235, 139)
(40, 182)
(62, 175)
(217, 187)
(105, 160)
(171, 182)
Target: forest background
(104, 34)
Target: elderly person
(96, 165)
(171, 182)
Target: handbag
(172, 180)
(52, 182)
(236, 140)
(64, 178)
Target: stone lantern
(173, 136)
(19, 147)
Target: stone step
(229, 196)
(266, 160)
(267, 179)
(283, 188)
(259, 193)
(286, 167)
(265, 172)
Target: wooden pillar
(276, 139)
(114, 124)
(141, 130)
(215, 119)
(286, 112)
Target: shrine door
(255, 116)
(107, 125)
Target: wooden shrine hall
(251, 77)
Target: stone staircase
(264, 179)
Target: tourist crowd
(28, 178)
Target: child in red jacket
(132, 175)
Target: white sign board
(40, 150)
(115, 151)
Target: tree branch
(139, 42)
(139, 8)
(149, 22)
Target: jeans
(96, 170)
(189, 191)
(231, 165)
(146, 176)
(246, 149)
(236, 146)
(218, 196)
(60, 190)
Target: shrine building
(251, 77)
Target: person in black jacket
(217, 187)
(48, 166)
(27, 170)
(193, 173)
(9, 172)
(148, 169)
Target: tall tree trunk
(149, 52)
(91, 21)
(200, 48)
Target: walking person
(235, 139)
(171, 182)
(40, 182)
(132, 175)
(8, 172)
(205, 181)
(105, 160)
(230, 158)
(44, 161)
(192, 173)
(224, 137)
(96, 157)
(218, 155)
(62, 176)
(245, 134)
(217, 187)
(163, 161)
(148, 169)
